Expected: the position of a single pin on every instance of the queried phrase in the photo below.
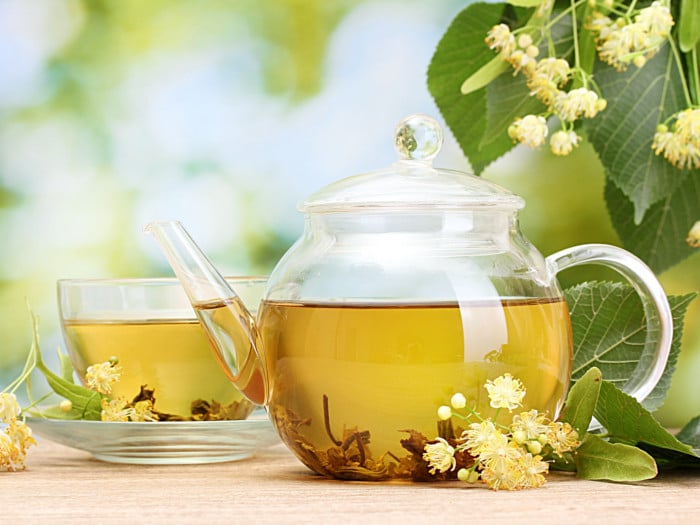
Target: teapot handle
(659, 321)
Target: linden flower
(115, 410)
(620, 42)
(693, 238)
(9, 408)
(687, 125)
(571, 105)
(532, 470)
(562, 437)
(554, 69)
(500, 454)
(505, 392)
(563, 142)
(143, 411)
(480, 437)
(99, 377)
(530, 130)
(499, 38)
(440, 456)
(502, 479)
(681, 147)
(656, 19)
(14, 443)
(532, 424)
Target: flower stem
(695, 75)
(679, 66)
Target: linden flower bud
(639, 61)
(532, 51)
(608, 4)
(458, 400)
(467, 475)
(534, 447)
(693, 238)
(66, 405)
(524, 41)
(520, 436)
(444, 413)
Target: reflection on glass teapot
(408, 284)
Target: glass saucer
(162, 443)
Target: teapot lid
(412, 183)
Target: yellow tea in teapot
(171, 356)
(378, 371)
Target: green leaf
(484, 75)
(525, 3)
(689, 24)
(581, 400)
(679, 307)
(506, 99)
(628, 421)
(599, 459)
(55, 412)
(660, 238)
(461, 53)
(690, 433)
(638, 100)
(66, 366)
(86, 402)
(609, 332)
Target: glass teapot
(408, 285)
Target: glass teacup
(149, 327)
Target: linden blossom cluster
(99, 378)
(509, 458)
(545, 79)
(16, 437)
(634, 36)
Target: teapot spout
(229, 325)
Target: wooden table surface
(63, 485)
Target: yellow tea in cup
(150, 329)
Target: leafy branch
(650, 161)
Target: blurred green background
(225, 114)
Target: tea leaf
(626, 420)
(609, 331)
(460, 54)
(599, 459)
(582, 399)
(660, 238)
(638, 100)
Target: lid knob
(418, 137)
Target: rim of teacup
(148, 280)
